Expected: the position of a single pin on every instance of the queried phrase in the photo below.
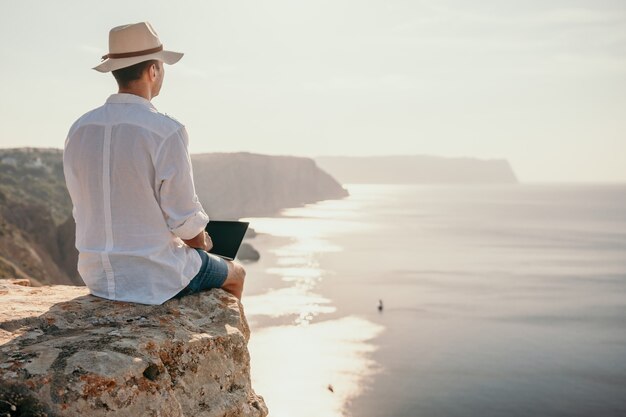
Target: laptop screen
(226, 236)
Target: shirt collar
(122, 98)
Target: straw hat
(132, 44)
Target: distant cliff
(243, 184)
(33, 246)
(66, 353)
(417, 169)
(37, 229)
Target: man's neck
(138, 91)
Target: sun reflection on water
(312, 366)
(307, 246)
(291, 301)
(294, 366)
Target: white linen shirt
(129, 175)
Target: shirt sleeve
(181, 208)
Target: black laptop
(226, 236)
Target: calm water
(498, 301)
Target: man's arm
(176, 193)
(201, 241)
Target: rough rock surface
(74, 354)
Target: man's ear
(153, 71)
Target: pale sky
(541, 83)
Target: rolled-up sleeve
(181, 208)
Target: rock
(31, 245)
(66, 353)
(24, 282)
(248, 253)
(250, 233)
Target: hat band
(131, 54)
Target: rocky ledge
(64, 352)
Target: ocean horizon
(497, 300)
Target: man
(139, 224)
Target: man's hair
(124, 76)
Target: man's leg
(211, 275)
(235, 279)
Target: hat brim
(112, 64)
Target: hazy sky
(539, 82)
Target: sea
(442, 300)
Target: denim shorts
(212, 274)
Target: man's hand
(202, 241)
